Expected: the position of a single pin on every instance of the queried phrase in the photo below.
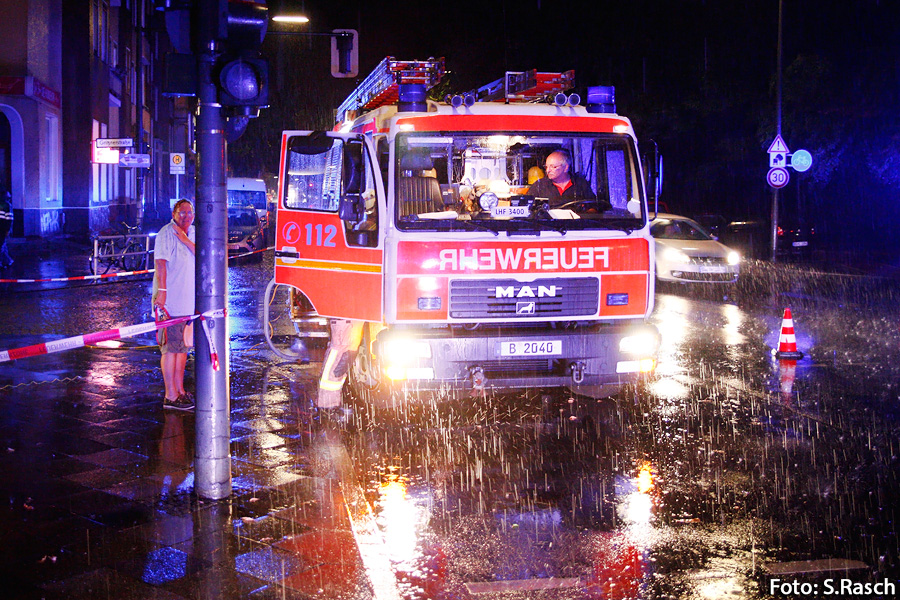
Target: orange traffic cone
(788, 371)
(787, 343)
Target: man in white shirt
(173, 296)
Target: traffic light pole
(212, 461)
(774, 232)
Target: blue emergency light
(601, 99)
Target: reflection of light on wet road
(645, 478)
(731, 328)
(636, 506)
(398, 517)
(669, 389)
(673, 324)
(101, 376)
(109, 344)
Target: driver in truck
(560, 185)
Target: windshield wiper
(541, 224)
(447, 224)
(475, 224)
(624, 223)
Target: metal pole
(212, 463)
(778, 130)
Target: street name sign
(134, 160)
(114, 143)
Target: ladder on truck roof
(382, 85)
(524, 86)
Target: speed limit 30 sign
(778, 177)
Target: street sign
(778, 152)
(801, 161)
(114, 143)
(777, 146)
(176, 163)
(778, 177)
(777, 159)
(134, 160)
(104, 156)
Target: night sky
(698, 77)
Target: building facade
(31, 114)
(72, 72)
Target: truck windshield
(517, 183)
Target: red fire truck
(416, 220)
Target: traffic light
(242, 75)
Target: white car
(685, 252)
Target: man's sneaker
(180, 403)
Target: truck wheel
(364, 385)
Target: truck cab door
(330, 230)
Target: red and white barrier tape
(78, 278)
(213, 355)
(251, 252)
(110, 334)
(107, 275)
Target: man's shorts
(171, 339)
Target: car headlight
(733, 258)
(675, 255)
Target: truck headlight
(644, 343)
(402, 350)
(733, 258)
(400, 357)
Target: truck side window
(382, 149)
(365, 231)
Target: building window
(100, 173)
(52, 157)
(129, 73)
(100, 22)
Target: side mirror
(315, 143)
(653, 174)
(352, 208)
(353, 171)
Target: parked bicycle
(128, 251)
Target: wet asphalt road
(725, 467)
(723, 472)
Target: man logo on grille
(526, 291)
(524, 308)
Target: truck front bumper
(596, 360)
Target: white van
(246, 191)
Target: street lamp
(291, 19)
(344, 47)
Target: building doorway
(5, 162)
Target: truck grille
(517, 366)
(508, 298)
